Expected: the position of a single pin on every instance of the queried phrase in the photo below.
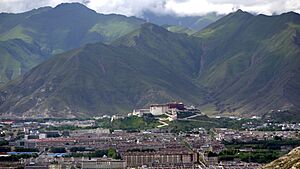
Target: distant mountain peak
(138, 36)
(74, 5)
(70, 4)
(241, 12)
(291, 14)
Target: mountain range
(240, 64)
(27, 39)
(252, 62)
(48, 31)
(149, 65)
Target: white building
(140, 112)
(159, 109)
(42, 135)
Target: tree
(100, 153)
(58, 150)
(112, 153)
(3, 143)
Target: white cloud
(198, 7)
(179, 7)
(126, 7)
(17, 6)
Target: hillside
(242, 64)
(179, 29)
(289, 161)
(52, 31)
(149, 65)
(251, 63)
(49, 31)
(17, 57)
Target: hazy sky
(179, 7)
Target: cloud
(179, 7)
(16, 6)
(199, 7)
(126, 7)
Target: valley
(232, 66)
(168, 84)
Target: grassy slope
(17, 57)
(251, 60)
(179, 29)
(129, 123)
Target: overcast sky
(179, 7)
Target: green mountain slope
(55, 30)
(149, 65)
(252, 63)
(17, 57)
(241, 64)
(179, 29)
